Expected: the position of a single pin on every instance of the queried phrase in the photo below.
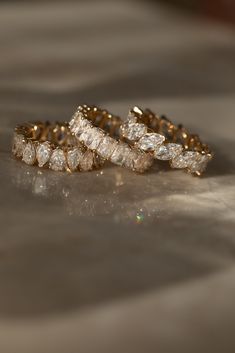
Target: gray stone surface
(109, 261)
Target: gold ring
(99, 130)
(159, 137)
(53, 146)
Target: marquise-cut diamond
(179, 162)
(184, 160)
(168, 151)
(200, 164)
(58, 160)
(120, 154)
(150, 141)
(74, 156)
(29, 153)
(106, 147)
(18, 145)
(43, 153)
(133, 131)
(191, 157)
(86, 162)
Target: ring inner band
(58, 134)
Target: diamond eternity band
(159, 137)
(98, 130)
(53, 146)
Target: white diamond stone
(57, 160)
(120, 154)
(73, 124)
(133, 131)
(191, 157)
(200, 164)
(97, 136)
(87, 136)
(18, 145)
(86, 162)
(184, 160)
(81, 125)
(43, 153)
(168, 151)
(74, 156)
(106, 147)
(150, 141)
(29, 154)
(179, 162)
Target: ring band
(53, 146)
(99, 131)
(165, 141)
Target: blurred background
(223, 10)
(62, 53)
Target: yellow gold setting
(158, 136)
(52, 146)
(99, 130)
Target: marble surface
(111, 261)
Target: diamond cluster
(107, 147)
(155, 143)
(149, 141)
(75, 158)
(195, 162)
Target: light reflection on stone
(39, 185)
(117, 193)
(139, 217)
(97, 194)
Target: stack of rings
(52, 146)
(99, 130)
(94, 135)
